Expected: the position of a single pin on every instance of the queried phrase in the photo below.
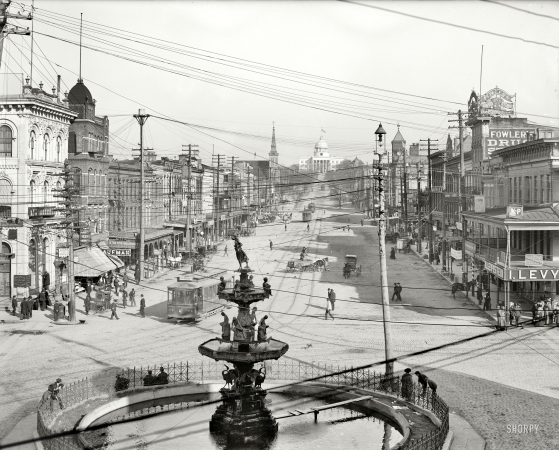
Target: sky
(339, 69)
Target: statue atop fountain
(243, 416)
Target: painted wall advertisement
(500, 138)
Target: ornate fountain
(243, 416)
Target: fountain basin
(368, 419)
(243, 352)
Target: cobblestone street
(501, 379)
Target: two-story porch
(515, 244)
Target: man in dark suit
(14, 305)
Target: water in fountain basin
(337, 428)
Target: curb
(466, 297)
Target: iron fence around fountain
(103, 389)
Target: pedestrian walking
(556, 314)
(113, 310)
(332, 298)
(540, 314)
(14, 305)
(392, 253)
(225, 251)
(57, 309)
(397, 292)
(142, 306)
(23, 308)
(501, 319)
(407, 385)
(271, 245)
(87, 303)
(132, 297)
(116, 284)
(124, 298)
(487, 302)
(479, 294)
(327, 311)
(42, 300)
(394, 293)
(125, 280)
(308, 227)
(517, 312)
(46, 280)
(454, 289)
(285, 226)
(437, 258)
(546, 311)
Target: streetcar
(307, 215)
(194, 298)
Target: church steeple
(273, 155)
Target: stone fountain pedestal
(243, 415)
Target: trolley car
(195, 298)
(307, 215)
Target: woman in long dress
(501, 321)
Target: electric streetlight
(382, 172)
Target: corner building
(34, 132)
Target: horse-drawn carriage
(350, 265)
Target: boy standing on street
(142, 306)
(113, 310)
(327, 311)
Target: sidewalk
(492, 315)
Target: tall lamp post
(382, 255)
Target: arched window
(58, 149)
(32, 143)
(33, 191)
(5, 141)
(46, 147)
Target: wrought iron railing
(49, 420)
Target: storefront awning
(91, 262)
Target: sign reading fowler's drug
(531, 274)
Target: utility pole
(419, 224)
(141, 117)
(216, 198)
(232, 184)
(462, 194)
(68, 194)
(405, 194)
(445, 250)
(187, 231)
(430, 188)
(6, 28)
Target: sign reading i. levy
(531, 274)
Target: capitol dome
(321, 145)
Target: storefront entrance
(5, 271)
